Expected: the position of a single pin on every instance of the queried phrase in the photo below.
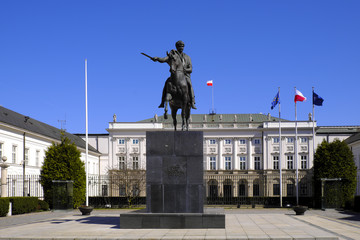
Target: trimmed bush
(4, 206)
(42, 205)
(21, 205)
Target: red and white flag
(209, 83)
(299, 96)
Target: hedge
(4, 206)
(21, 205)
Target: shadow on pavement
(114, 221)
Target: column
(235, 154)
(249, 150)
(220, 159)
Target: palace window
(256, 189)
(37, 158)
(212, 141)
(242, 163)
(290, 162)
(289, 140)
(276, 162)
(26, 156)
(135, 162)
(276, 140)
(303, 139)
(242, 141)
(227, 163)
(303, 189)
(122, 164)
(13, 154)
(257, 163)
(276, 189)
(304, 164)
(227, 141)
(135, 141)
(290, 189)
(256, 141)
(212, 163)
(121, 141)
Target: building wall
(12, 146)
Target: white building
(24, 138)
(241, 151)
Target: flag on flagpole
(209, 83)
(299, 96)
(317, 100)
(275, 101)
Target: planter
(300, 210)
(86, 210)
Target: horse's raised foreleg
(173, 114)
(166, 110)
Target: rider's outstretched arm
(161, 60)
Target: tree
(130, 183)
(62, 162)
(335, 160)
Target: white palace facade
(242, 156)
(241, 151)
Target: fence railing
(220, 188)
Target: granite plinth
(171, 220)
(174, 172)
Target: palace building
(241, 151)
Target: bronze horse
(178, 91)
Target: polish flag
(299, 96)
(209, 83)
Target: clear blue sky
(248, 48)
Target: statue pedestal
(174, 172)
(174, 184)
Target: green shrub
(4, 206)
(62, 162)
(42, 205)
(21, 205)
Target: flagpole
(86, 130)
(296, 158)
(313, 118)
(212, 89)
(280, 143)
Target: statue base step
(171, 220)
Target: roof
(18, 120)
(337, 129)
(353, 138)
(223, 118)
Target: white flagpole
(280, 143)
(212, 89)
(86, 130)
(313, 118)
(296, 158)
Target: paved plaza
(240, 224)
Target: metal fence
(233, 188)
(17, 187)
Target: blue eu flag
(317, 100)
(275, 101)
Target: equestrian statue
(178, 90)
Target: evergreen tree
(335, 160)
(62, 162)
